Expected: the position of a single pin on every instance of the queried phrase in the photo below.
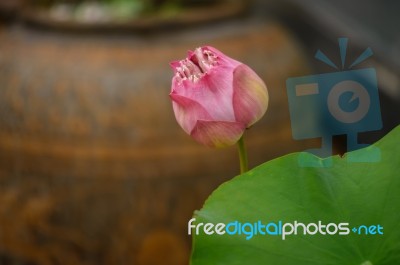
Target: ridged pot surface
(92, 161)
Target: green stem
(244, 166)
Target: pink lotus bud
(215, 98)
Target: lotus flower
(215, 98)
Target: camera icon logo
(344, 102)
(358, 92)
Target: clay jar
(92, 161)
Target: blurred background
(94, 169)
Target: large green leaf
(357, 193)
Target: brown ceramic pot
(94, 168)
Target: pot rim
(223, 10)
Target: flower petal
(222, 58)
(250, 95)
(213, 91)
(190, 53)
(174, 65)
(218, 92)
(217, 133)
(187, 112)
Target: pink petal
(174, 65)
(217, 133)
(187, 112)
(250, 95)
(213, 91)
(223, 58)
(189, 53)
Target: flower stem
(244, 166)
